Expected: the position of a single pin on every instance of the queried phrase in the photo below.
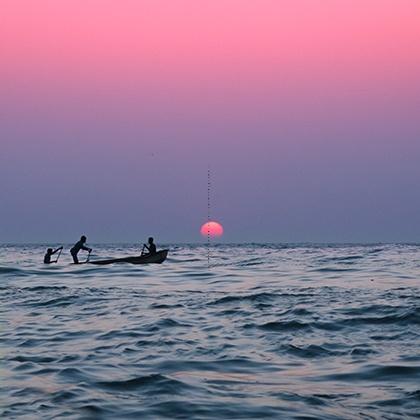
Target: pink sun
(213, 229)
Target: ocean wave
(45, 288)
(32, 358)
(292, 325)
(334, 270)
(155, 383)
(254, 297)
(13, 270)
(403, 316)
(251, 262)
(313, 351)
(58, 301)
(235, 340)
(224, 365)
(346, 259)
(379, 373)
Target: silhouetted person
(77, 247)
(151, 247)
(50, 251)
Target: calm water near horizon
(299, 331)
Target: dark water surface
(327, 332)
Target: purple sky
(307, 112)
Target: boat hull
(157, 258)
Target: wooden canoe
(157, 258)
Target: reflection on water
(267, 331)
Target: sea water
(281, 331)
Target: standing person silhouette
(77, 247)
(151, 247)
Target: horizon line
(365, 243)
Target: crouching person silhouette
(49, 253)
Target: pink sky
(192, 45)
(258, 82)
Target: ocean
(268, 331)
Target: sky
(306, 111)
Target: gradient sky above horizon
(308, 112)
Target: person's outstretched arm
(58, 249)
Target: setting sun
(213, 229)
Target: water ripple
(268, 331)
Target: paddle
(87, 259)
(58, 256)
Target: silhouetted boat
(157, 258)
